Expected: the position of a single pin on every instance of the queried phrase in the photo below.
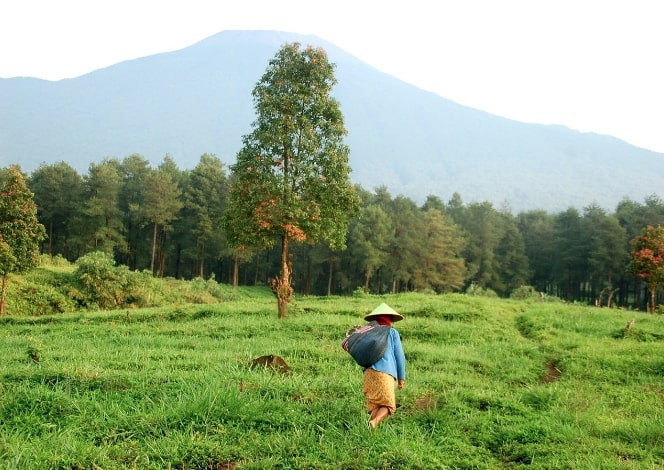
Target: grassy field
(492, 384)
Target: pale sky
(590, 65)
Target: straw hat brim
(384, 309)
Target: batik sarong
(378, 389)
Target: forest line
(168, 221)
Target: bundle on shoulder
(367, 343)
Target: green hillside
(491, 384)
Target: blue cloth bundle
(367, 344)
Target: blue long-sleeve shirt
(393, 361)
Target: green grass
(492, 384)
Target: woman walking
(380, 377)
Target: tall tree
(324, 251)
(58, 191)
(369, 240)
(134, 170)
(634, 216)
(160, 205)
(404, 249)
(572, 248)
(537, 230)
(20, 232)
(171, 240)
(511, 259)
(101, 219)
(455, 208)
(291, 179)
(240, 254)
(434, 202)
(648, 259)
(608, 252)
(441, 267)
(483, 229)
(205, 195)
(628, 213)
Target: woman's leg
(378, 389)
(378, 415)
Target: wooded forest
(169, 221)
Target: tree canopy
(291, 179)
(648, 259)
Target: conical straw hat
(384, 309)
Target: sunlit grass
(491, 384)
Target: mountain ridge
(414, 142)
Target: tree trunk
(307, 278)
(330, 276)
(154, 247)
(3, 301)
(236, 267)
(161, 254)
(162, 265)
(609, 301)
(653, 289)
(178, 258)
(50, 239)
(256, 265)
(280, 285)
(201, 260)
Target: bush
(94, 282)
(478, 291)
(143, 289)
(46, 300)
(33, 297)
(524, 293)
(359, 293)
(55, 261)
(106, 286)
(200, 291)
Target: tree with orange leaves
(291, 179)
(648, 260)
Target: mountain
(198, 100)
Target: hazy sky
(590, 65)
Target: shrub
(202, 291)
(45, 300)
(524, 293)
(142, 289)
(56, 261)
(106, 286)
(32, 296)
(479, 291)
(359, 292)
